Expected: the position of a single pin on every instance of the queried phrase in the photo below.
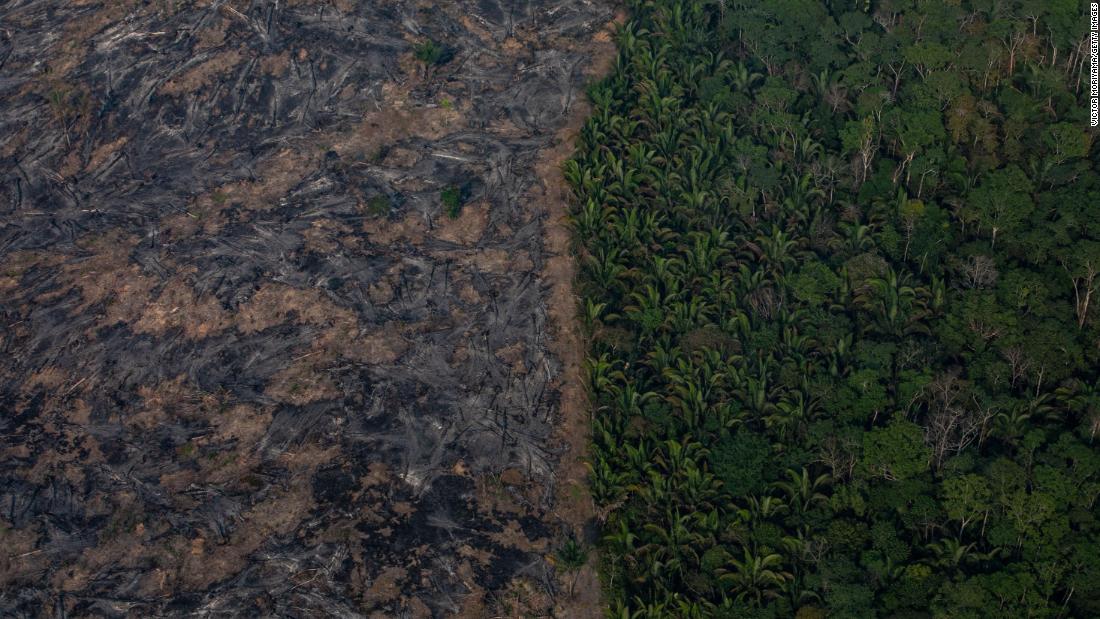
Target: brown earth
(572, 503)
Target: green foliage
(967, 499)
(740, 462)
(895, 452)
(453, 198)
(571, 556)
(431, 53)
(840, 263)
(1002, 201)
(815, 284)
(379, 205)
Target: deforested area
(281, 308)
(840, 266)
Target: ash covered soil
(249, 365)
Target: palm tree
(757, 395)
(638, 458)
(605, 484)
(668, 272)
(604, 269)
(760, 509)
(676, 456)
(674, 545)
(756, 576)
(662, 355)
(628, 401)
(621, 540)
(742, 78)
(949, 553)
(571, 557)
(647, 311)
(1084, 399)
(802, 489)
(793, 413)
(839, 354)
(591, 313)
(778, 251)
(858, 237)
(684, 317)
(897, 307)
(698, 489)
(602, 373)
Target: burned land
(285, 310)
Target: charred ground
(250, 363)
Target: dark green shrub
(453, 197)
(431, 53)
(379, 205)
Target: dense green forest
(840, 264)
